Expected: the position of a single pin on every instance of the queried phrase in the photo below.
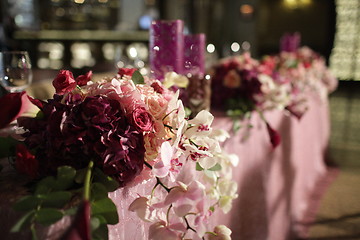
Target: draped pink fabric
(274, 185)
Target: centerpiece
(275, 82)
(92, 138)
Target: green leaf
(7, 146)
(56, 199)
(101, 233)
(107, 209)
(199, 167)
(187, 111)
(45, 185)
(27, 203)
(39, 115)
(22, 222)
(80, 175)
(236, 125)
(64, 180)
(65, 177)
(71, 211)
(110, 183)
(217, 167)
(48, 216)
(98, 191)
(101, 219)
(137, 77)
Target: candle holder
(290, 42)
(199, 89)
(166, 47)
(194, 54)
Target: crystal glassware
(15, 70)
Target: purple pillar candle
(194, 54)
(166, 47)
(290, 42)
(199, 88)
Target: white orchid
(172, 78)
(221, 232)
(228, 192)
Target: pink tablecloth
(275, 185)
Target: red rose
(142, 119)
(157, 87)
(83, 79)
(126, 71)
(25, 162)
(64, 82)
(12, 106)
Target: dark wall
(315, 22)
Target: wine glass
(15, 70)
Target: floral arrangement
(308, 70)
(275, 82)
(240, 87)
(92, 138)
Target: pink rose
(64, 82)
(83, 79)
(25, 162)
(152, 145)
(159, 129)
(232, 79)
(12, 106)
(142, 119)
(157, 106)
(130, 100)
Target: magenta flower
(83, 79)
(25, 162)
(75, 130)
(126, 71)
(64, 82)
(142, 119)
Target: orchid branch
(169, 114)
(168, 213)
(148, 165)
(188, 225)
(158, 182)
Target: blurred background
(104, 34)
(82, 34)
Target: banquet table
(274, 185)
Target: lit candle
(166, 47)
